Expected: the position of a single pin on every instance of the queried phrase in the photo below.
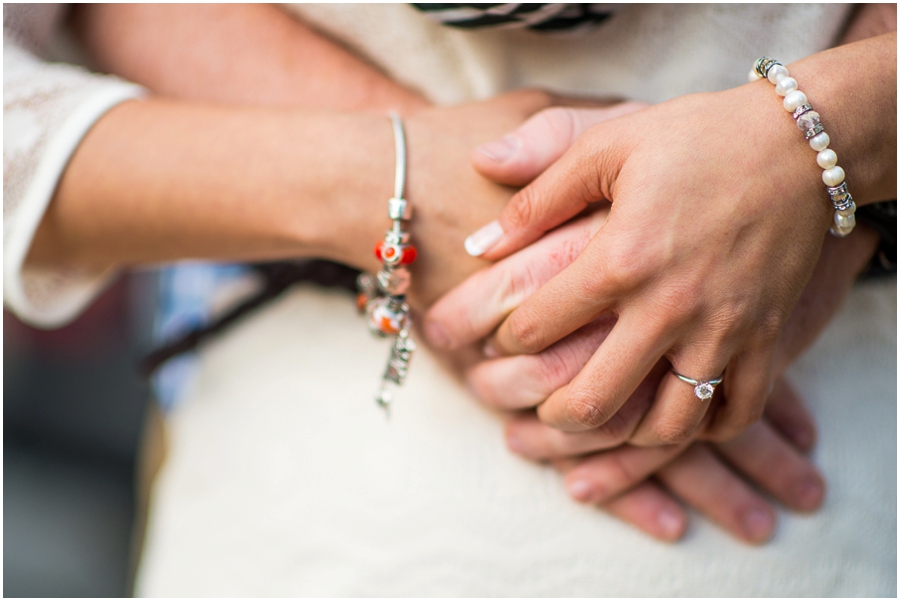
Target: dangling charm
(383, 297)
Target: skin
(684, 261)
(247, 200)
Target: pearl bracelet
(383, 297)
(808, 121)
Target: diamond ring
(703, 389)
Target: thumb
(522, 155)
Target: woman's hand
(714, 232)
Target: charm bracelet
(382, 298)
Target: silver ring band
(703, 389)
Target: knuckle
(584, 410)
(524, 331)
(623, 266)
(522, 208)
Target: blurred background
(72, 416)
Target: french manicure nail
(500, 150)
(669, 523)
(757, 524)
(483, 239)
(437, 335)
(579, 489)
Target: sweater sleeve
(48, 108)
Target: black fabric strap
(277, 278)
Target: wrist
(862, 124)
(349, 179)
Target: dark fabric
(882, 217)
(537, 17)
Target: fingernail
(490, 350)
(669, 523)
(757, 524)
(437, 335)
(483, 239)
(500, 150)
(580, 490)
(809, 494)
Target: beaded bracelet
(383, 297)
(808, 121)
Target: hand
(641, 485)
(476, 307)
(450, 198)
(706, 252)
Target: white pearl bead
(753, 76)
(849, 210)
(827, 159)
(845, 221)
(840, 232)
(793, 100)
(785, 86)
(776, 74)
(833, 177)
(819, 142)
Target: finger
(473, 309)
(651, 509)
(525, 380)
(528, 437)
(680, 407)
(583, 175)
(602, 476)
(787, 413)
(747, 383)
(702, 480)
(522, 155)
(774, 465)
(567, 298)
(608, 379)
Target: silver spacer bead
(848, 210)
(812, 133)
(801, 110)
(763, 64)
(839, 191)
(395, 237)
(399, 208)
(844, 203)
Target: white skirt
(283, 478)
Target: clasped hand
(769, 452)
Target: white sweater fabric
(283, 479)
(47, 109)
